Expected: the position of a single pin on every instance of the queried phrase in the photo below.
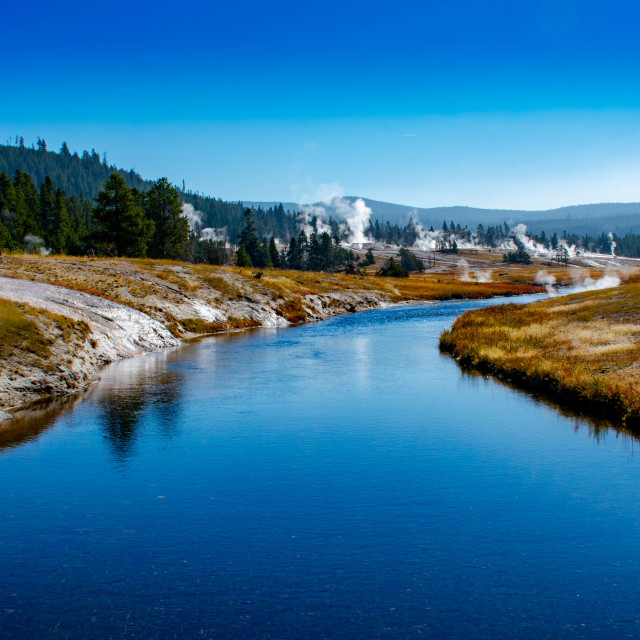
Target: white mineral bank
(119, 331)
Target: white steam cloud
(356, 214)
(35, 243)
(310, 211)
(217, 235)
(579, 285)
(195, 217)
(613, 244)
(547, 280)
(520, 232)
(478, 275)
(588, 284)
(463, 269)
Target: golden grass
(124, 280)
(197, 325)
(582, 348)
(19, 332)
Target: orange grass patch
(583, 348)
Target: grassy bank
(583, 348)
(160, 288)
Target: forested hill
(77, 175)
(83, 176)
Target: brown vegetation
(583, 348)
(157, 287)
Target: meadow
(583, 349)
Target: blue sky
(486, 103)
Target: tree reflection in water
(138, 397)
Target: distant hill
(77, 175)
(620, 225)
(620, 218)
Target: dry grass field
(156, 287)
(582, 348)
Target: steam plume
(356, 214)
(547, 280)
(195, 218)
(613, 244)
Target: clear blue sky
(526, 104)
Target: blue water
(335, 480)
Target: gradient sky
(530, 104)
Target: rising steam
(579, 285)
(356, 214)
(613, 244)
(195, 218)
(358, 217)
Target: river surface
(334, 480)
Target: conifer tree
(122, 227)
(26, 208)
(242, 257)
(265, 255)
(171, 228)
(249, 239)
(61, 237)
(293, 254)
(47, 207)
(314, 260)
(274, 254)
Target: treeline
(66, 184)
(316, 252)
(83, 175)
(406, 236)
(218, 214)
(123, 221)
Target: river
(334, 480)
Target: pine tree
(274, 254)
(314, 260)
(26, 208)
(327, 252)
(242, 257)
(171, 230)
(265, 255)
(47, 208)
(292, 253)
(122, 227)
(61, 238)
(249, 238)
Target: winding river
(334, 480)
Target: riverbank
(65, 318)
(582, 349)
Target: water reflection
(139, 394)
(362, 360)
(598, 427)
(30, 423)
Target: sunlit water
(335, 480)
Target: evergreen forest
(70, 203)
